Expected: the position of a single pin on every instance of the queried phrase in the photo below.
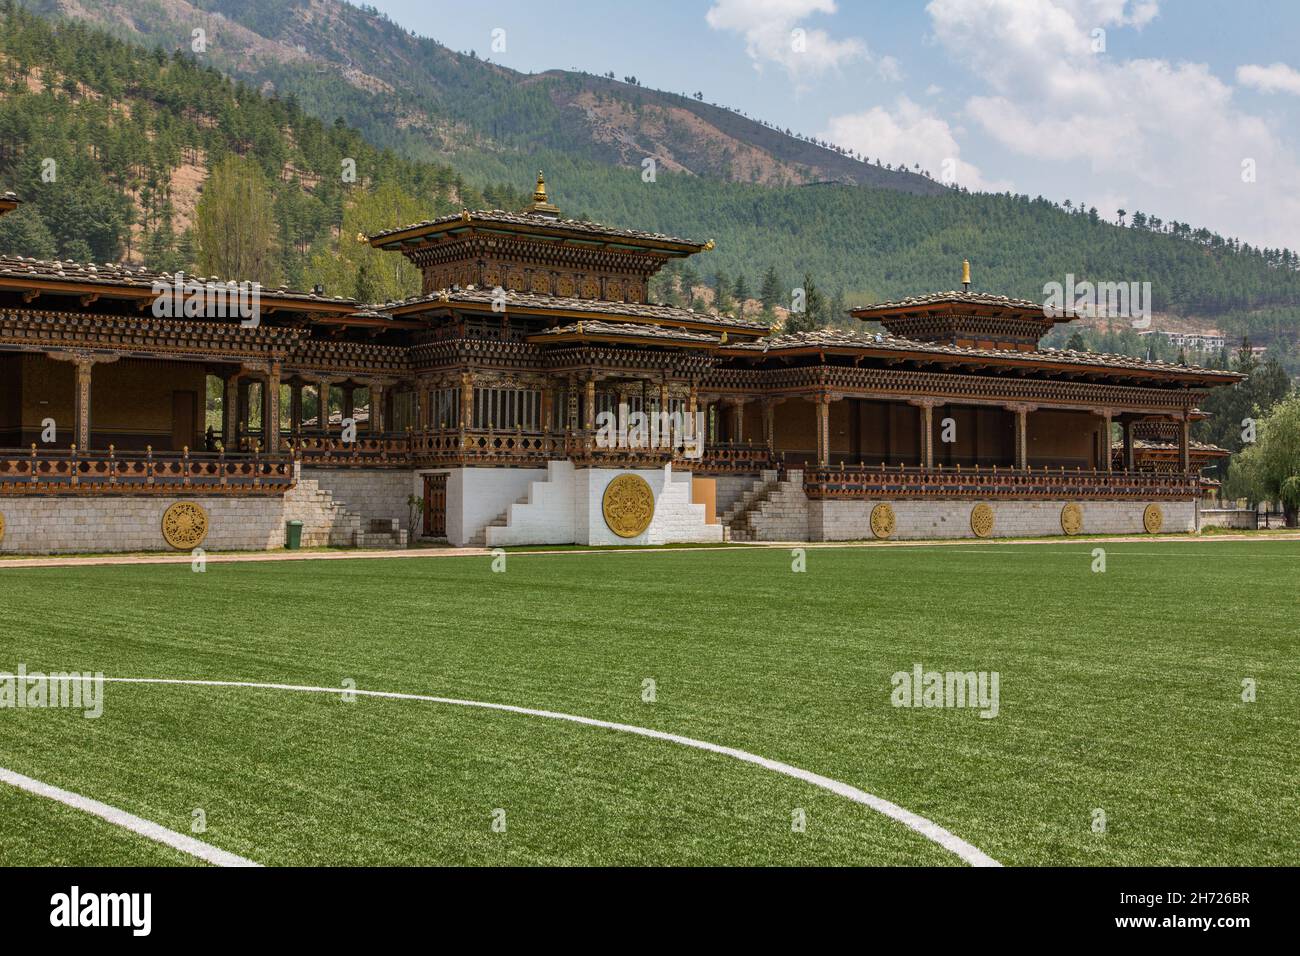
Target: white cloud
(910, 134)
(1166, 136)
(774, 33)
(1278, 78)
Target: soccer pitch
(1121, 735)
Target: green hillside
(138, 129)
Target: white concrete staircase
(774, 509)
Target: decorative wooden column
(738, 418)
(823, 430)
(925, 408)
(349, 409)
(230, 414)
(1105, 463)
(376, 390)
(1022, 437)
(547, 409)
(769, 423)
(589, 413)
(1128, 444)
(82, 403)
(295, 407)
(271, 409)
(467, 400)
(1185, 444)
(323, 405)
(84, 363)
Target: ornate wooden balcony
(875, 481)
(63, 471)
(485, 447)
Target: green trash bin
(293, 535)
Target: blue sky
(1190, 110)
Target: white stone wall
(566, 508)
(71, 525)
(476, 496)
(373, 493)
(1228, 518)
(926, 518)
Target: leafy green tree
(350, 266)
(815, 311)
(722, 287)
(234, 224)
(1269, 470)
(24, 233)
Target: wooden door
(435, 506)
(183, 406)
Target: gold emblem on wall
(1153, 519)
(185, 525)
(629, 505)
(981, 520)
(882, 521)
(1071, 519)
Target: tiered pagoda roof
(527, 303)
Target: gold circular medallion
(185, 525)
(882, 520)
(1153, 519)
(981, 520)
(1071, 519)
(629, 505)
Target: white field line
(240, 557)
(128, 821)
(927, 828)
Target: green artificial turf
(1119, 691)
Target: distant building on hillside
(1210, 340)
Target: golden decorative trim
(1071, 519)
(1153, 519)
(2, 525)
(882, 520)
(185, 525)
(628, 505)
(981, 520)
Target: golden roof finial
(965, 275)
(541, 204)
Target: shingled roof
(884, 343)
(135, 278)
(954, 298)
(533, 222)
(596, 329)
(538, 303)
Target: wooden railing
(873, 481)
(37, 471)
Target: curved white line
(927, 828)
(128, 821)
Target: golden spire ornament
(542, 206)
